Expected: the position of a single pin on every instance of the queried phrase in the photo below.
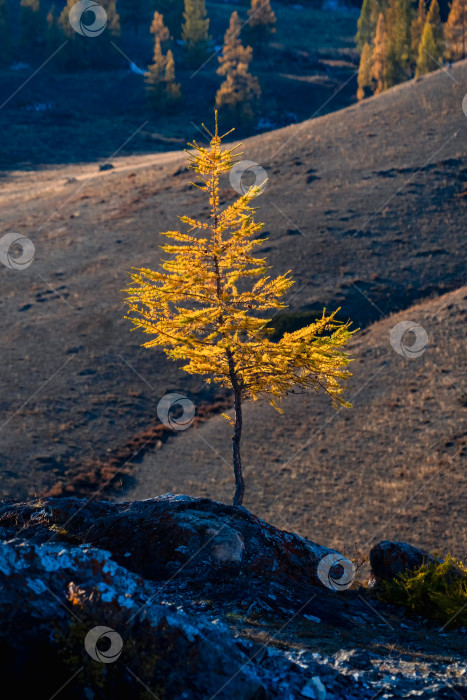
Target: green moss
(437, 591)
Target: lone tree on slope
(206, 306)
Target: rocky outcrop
(59, 604)
(195, 538)
(181, 598)
(389, 559)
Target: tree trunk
(237, 462)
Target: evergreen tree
(54, 34)
(398, 21)
(172, 11)
(154, 78)
(416, 30)
(364, 72)
(367, 21)
(455, 31)
(161, 88)
(159, 29)
(195, 30)
(113, 18)
(172, 89)
(427, 56)
(84, 52)
(261, 22)
(434, 18)
(206, 305)
(6, 52)
(132, 13)
(240, 89)
(380, 56)
(32, 24)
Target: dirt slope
(391, 467)
(366, 206)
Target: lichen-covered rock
(389, 559)
(57, 600)
(196, 538)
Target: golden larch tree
(172, 88)
(161, 88)
(366, 26)
(240, 90)
(206, 306)
(427, 56)
(416, 30)
(195, 30)
(261, 22)
(380, 56)
(364, 72)
(431, 49)
(159, 29)
(455, 31)
(398, 20)
(434, 18)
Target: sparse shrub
(436, 591)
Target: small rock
(314, 689)
(106, 166)
(389, 559)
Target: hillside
(392, 466)
(367, 207)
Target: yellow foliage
(436, 590)
(200, 308)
